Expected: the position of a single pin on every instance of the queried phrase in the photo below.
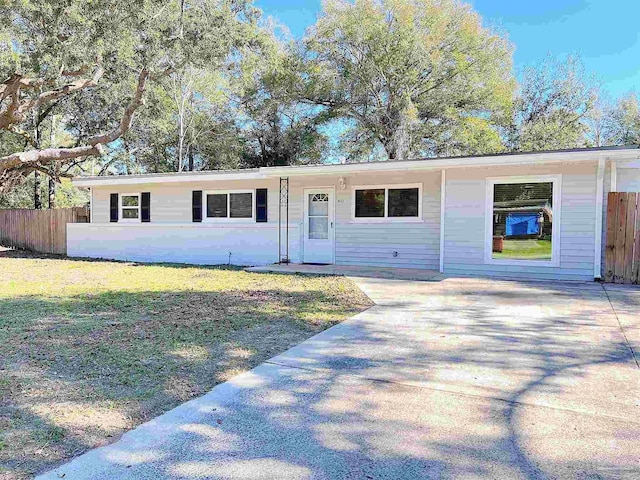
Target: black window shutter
(145, 207)
(196, 206)
(114, 207)
(261, 205)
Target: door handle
(331, 224)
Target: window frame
(386, 218)
(121, 208)
(228, 218)
(556, 181)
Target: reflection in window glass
(129, 213)
(217, 205)
(522, 221)
(241, 205)
(129, 200)
(403, 202)
(370, 203)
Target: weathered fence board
(43, 231)
(622, 254)
(610, 251)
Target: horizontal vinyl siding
(171, 203)
(465, 223)
(416, 244)
(628, 180)
(246, 244)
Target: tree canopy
(108, 87)
(417, 76)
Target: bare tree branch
(33, 159)
(16, 110)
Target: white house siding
(171, 202)
(465, 222)
(373, 244)
(202, 244)
(628, 180)
(171, 236)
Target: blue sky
(605, 33)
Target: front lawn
(529, 249)
(91, 349)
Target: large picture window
(236, 205)
(387, 203)
(523, 215)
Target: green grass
(527, 249)
(91, 349)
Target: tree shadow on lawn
(545, 396)
(334, 414)
(80, 370)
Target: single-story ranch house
(528, 215)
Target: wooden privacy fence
(43, 231)
(622, 255)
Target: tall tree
(625, 120)
(279, 127)
(55, 49)
(552, 107)
(417, 77)
(599, 123)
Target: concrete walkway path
(459, 378)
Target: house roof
(623, 153)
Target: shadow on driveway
(460, 378)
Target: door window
(318, 216)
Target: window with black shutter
(145, 212)
(196, 206)
(261, 205)
(113, 215)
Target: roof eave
(631, 154)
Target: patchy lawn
(530, 249)
(90, 349)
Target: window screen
(217, 205)
(523, 221)
(130, 212)
(241, 205)
(403, 202)
(370, 203)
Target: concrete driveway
(460, 378)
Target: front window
(230, 205)
(130, 207)
(523, 216)
(370, 203)
(379, 203)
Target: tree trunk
(37, 201)
(190, 159)
(52, 192)
(54, 166)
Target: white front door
(318, 225)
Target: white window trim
(228, 218)
(555, 227)
(386, 218)
(130, 220)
